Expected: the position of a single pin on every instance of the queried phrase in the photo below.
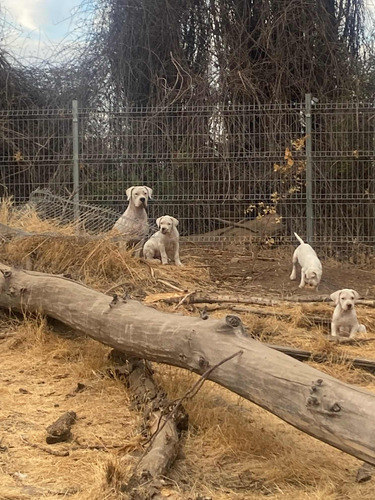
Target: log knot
(203, 363)
(114, 300)
(316, 385)
(233, 325)
(233, 321)
(322, 400)
(312, 401)
(335, 408)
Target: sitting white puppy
(311, 267)
(344, 319)
(164, 243)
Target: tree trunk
(316, 403)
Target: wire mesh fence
(218, 169)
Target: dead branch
(56, 453)
(200, 297)
(60, 430)
(302, 355)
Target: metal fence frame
(207, 164)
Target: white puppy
(133, 223)
(311, 267)
(164, 243)
(344, 319)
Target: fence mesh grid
(208, 166)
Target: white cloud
(41, 27)
(29, 14)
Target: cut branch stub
(60, 430)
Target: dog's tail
(299, 238)
(362, 329)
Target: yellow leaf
(298, 144)
(18, 156)
(288, 154)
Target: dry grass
(101, 263)
(233, 449)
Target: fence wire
(215, 168)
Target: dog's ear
(336, 296)
(175, 221)
(158, 221)
(129, 192)
(149, 190)
(355, 293)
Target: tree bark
(318, 404)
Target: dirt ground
(232, 450)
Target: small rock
(80, 387)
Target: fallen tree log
(318, 404)
(164, 425)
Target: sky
(37, 29)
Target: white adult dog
(133, 223)
(311, 267)
(344, 319)
(164, 244)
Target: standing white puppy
(164, 244)
(311, 267)
(344, 319)
(133, 223)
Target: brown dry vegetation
(233, 449)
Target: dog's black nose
(142, 200)
(350, 306)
